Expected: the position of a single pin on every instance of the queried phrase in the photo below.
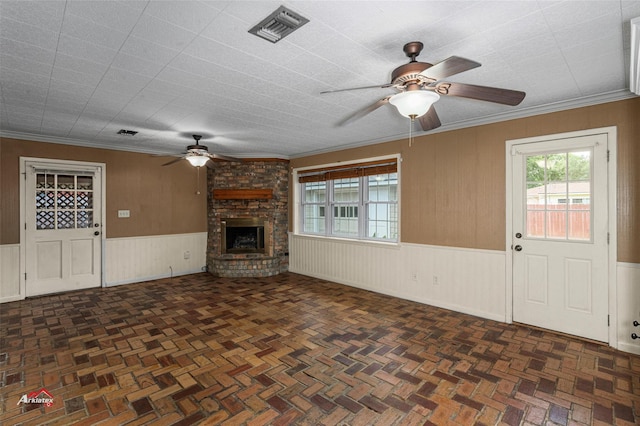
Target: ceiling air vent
(124, 132)
(278, 25)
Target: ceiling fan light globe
(414, 103)
(197, 161)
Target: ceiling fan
(198, 155)
(420, 85)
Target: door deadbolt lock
(96, 233)
(518, 248)
(518, 235)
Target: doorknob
(518, 248)
(96, 233)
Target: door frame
(612, 138)
(62, 164)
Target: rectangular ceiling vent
(278, 25)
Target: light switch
(123, 213)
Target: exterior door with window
(62, 230)
(560, 257)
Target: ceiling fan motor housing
(410, 72)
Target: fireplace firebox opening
(244, 235)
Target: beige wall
(453, 183)
(162, 200)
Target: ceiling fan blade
(448, 67)
(361, 113)
(222, 157)
(383, 86)
(430, 120)
(173, 161)
(482, 93)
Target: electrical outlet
(187, 254)
(414, 276)
(435, 280)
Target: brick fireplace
(248, 218)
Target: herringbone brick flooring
(295, 350)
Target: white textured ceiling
(78, 71)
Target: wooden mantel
(242, 194)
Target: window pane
(556, 167)
(84, 200)
(65, 200)
(535, 223)
(85, 182)
(45, 220)
(382, 221)
(66, 182)
(315, 192)
(345, 226)
(557, 224)
(66, 219)
(535, 170)
(580, 225)
(313, 220)
(345, 190)
(44, 200)
(580, 165)
(85, 219)
(556, 193)
(383, 187)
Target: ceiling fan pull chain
(411, 131)
(198, 181)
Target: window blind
(349, 171)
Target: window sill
(350, 241)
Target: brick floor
(291, 349)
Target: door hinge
(608, 321)
(25, 276)
(608, 237)
(608, 155)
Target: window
(358, 201)
(64, 201)
(559, 189)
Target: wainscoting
(10, 273)
(135, 259)
(126, 260)
(465, 280)
(628, 306)
(436, 276)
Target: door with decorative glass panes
(63, 230)
(559, 242)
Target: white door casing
(63, 225)
(560, 275)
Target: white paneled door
(63, 232)
(559, 241)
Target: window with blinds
(358, 201)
